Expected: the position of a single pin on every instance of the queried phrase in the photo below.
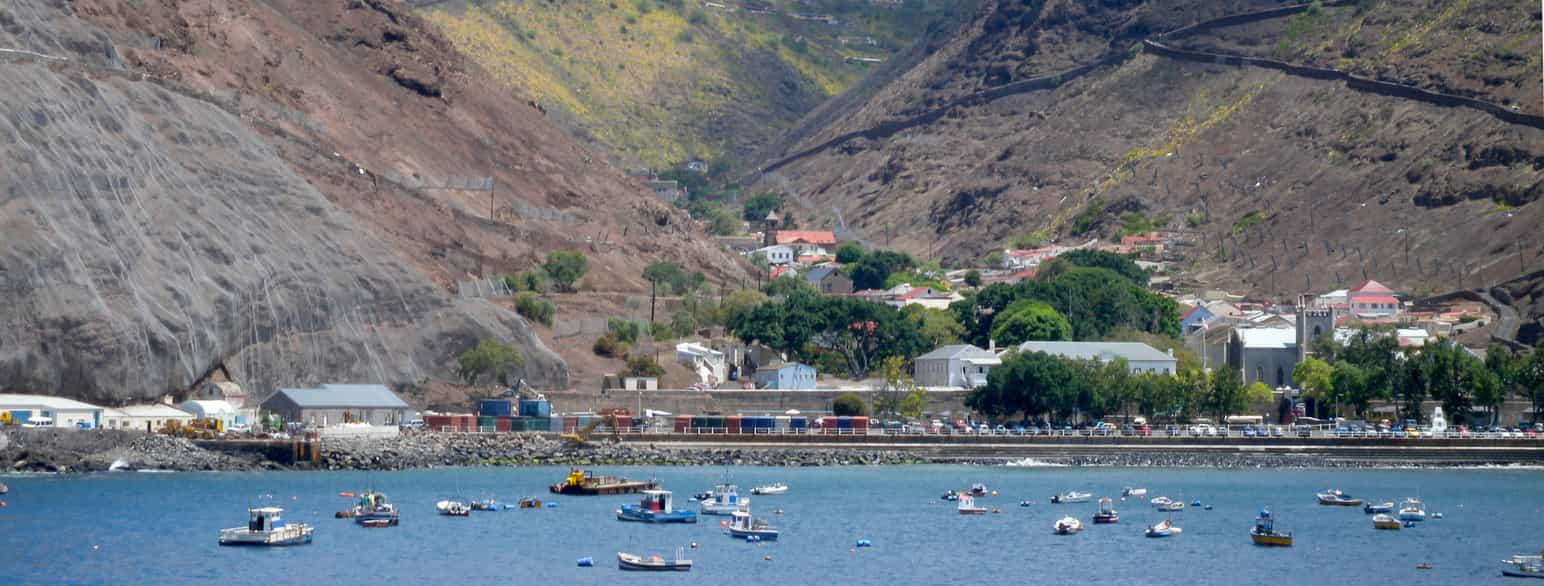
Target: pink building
(1373, 299)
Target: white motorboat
(1133, 492)
(978, 489)
(724, 499)
(1412, 510)
(1164, 528)
(1385, 521)
(653, 563)
(1160, 502)
(770, 489)
(264, 528)
(1072, 497)
(967, 506)
(743, 526)
(452, 508)
(1068, 526)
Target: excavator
(206, 428)
(581, 436)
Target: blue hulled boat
(657, 506)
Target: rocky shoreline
(67, 451)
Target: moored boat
(1336, 498)
(1265, 533)
(1172, 506)
(1164, 528)
(372, 509)
(1133, 492)
(376, 523)
(967, 506)
(950, 495)
(1072, 497)
(653, 563)
(485, 505)
(1068, 526)
(978, 489)
(1106, 514)
(1378, 508)
(452, 508)
(265, 528)
(529, 502)
(1385, 521)
(1529, 569)
(770, 489)
(1160, 502)
(1412, 510)
(656, 506)
(724, 499)
(580, 482)
(743, 526)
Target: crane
(581, 436)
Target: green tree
(1411, 385)
(1035, 239)
(624, 330)
(914, 404)
(894, 386)
(1313, 377)
(609, 346)
(738, 302)
(1258, 396)
(757, 207)
(1348, 382)
(973, 278)
(1098, 259)
(787, 284)
(1028, 320)
(871, 271)
(849, 252)
(936, 326)
(535, 309)
(644, 366)
(848, 404)
(1032, 383)
(720, 222)
(994, 259)
(1452, 371)
(671, 279)
(1226, 393)
(488, 356)
(1530, 375)
(565, 268)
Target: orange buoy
(346, 494)
(723, 523)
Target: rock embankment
(425, 450)
(64, 450)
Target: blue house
(1191, 321)
(791, 375)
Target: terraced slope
(663, 82)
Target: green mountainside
(663, 81)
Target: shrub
(535, 309)
(609, 347)
(848, 404)
(644, 366)
(565, 268)
(624, 330)
(488, 356)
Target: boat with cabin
(372, 509)
(582, 483)
(1068, 526)
(1412, 510)
(1106, 514)
(1523, 566)
(265, 528)
(1265, 533)
(743, 526)
(1385, 521)
(529, 502)
(656, 506)
(724, 499)
(967, 506)
(1164, 528)
(1133, 492)
(1336, 498)
(1378, 508)
(978, 489)
(485, 505)
(1072, 497)
(653, 563)
(771, 489)
(452, 508)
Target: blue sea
(160, 528)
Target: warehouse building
(335, 404)
(42, 410)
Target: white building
(1139, 357)
(777, 254)
(54, 411)
(150, 417)
(958, 366)
(710, 365)
(229, 416)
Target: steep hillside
(286, 189)
(1053, 114)
(665, 81)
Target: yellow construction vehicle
(206, 428)
(5, 417)
(582, 435)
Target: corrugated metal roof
(1131, 351)
(956, 351)
(344, 396)
(152, 410)
(44, 402)
(1268, 337)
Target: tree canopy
(1028, 320)
(1095, 301)
(849, 252)
(488, 356)
(803, 322)
(565, 268)
(758, 205)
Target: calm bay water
(138, 528)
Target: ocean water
(160, 528)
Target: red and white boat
(967, 506)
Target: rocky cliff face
(1280, 181)
(271, 187)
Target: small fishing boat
(743, 526)
(1106, 514)
(724, 499)
(1172, 506)
(978, 489)
(1265, 533)
(1072, 497)
(265, 528)
(950, 495)
(1378, 508)
(967, 506)
(1385, 521)
(1068, 526)
(375, 523)
(1532, 569)
(1164, 528)
(375, 508)
(1336, 498)
(1412, 510)
(653, 563)
(452, 508)
(485, 505)
(529, 502)
(656, 506)
(1133, 492)
(1025, 503)
(770, 489)
(1160, 502)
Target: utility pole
(492, 212)
(653, 285)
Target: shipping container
(715, 423)
(828, 424)
(732, 423)
(698, 422)
(502, 425)
(798, 423)
(570, 424)
(860, 424)
(683, 423)
(494, 408)
(439, 423)
(535, 408)
(782, 423)
(844, 422)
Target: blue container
(798, 422)
(844, 422)
(535, 408)
(494, 408)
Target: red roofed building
(815, 237)
(1373, 299)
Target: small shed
(149, 417)
(791, 375)
(339, 403)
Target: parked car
(1277, 431)
(1144, 430)
(1000, 430)
(1304, 431)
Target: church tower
(769, 229)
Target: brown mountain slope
(1308, 183)
(262, 186)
